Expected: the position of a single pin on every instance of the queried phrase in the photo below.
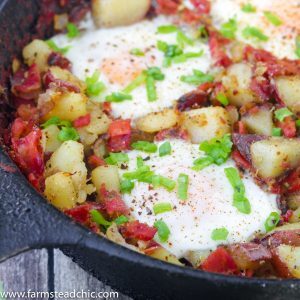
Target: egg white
(281, 38)
(209, 204)
(94, 46)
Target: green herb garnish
(254, 32)
(182, 189)
(55, 48)
(161, 181)
(282, 113)
(221, 97)
(166, 29)
(117, 158)
(67, 134)
(197, 78)
(144, 146)
(272, 18)
(272, 221)
(203, 162)
(229, 29)
(118, 97)
(239, 198)
(298, 46)
(94, 86)
(163, 230)
(138, 81)
(276, 132)
(248, 8)
(52, 121)
(121, 220)
(126, 186)
(73, 31)
(165, 149)
(219, 234)
(137, 52)
(98, 218)
(162, 207)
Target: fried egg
(281, 39)
(109, 51)
(208, 206)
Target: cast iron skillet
(27, 221)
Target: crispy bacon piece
(139, 231)
(56, 59)
(262, 87)
(27, 83)
(240, 160)
(94, 161)
(220, 261)
(291, 183)
(175, 133)
(50, 80)
(82, 121)
(217, 49)
(119, 133)
(27, 112)
(112, 202)
(27, 150)
(286, 237)
(249, 255)
(167, 7)
(288, 126)
(192, 100)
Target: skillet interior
(28, 221)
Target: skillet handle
(27, 221)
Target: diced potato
(99, 122)
(237, 84)
(99, 148)
(164, 255)
(206, 123)
(37, 52)
(66, 75)
(60, 191)
(50, 136)
(260, 122)
(107, 175)
(295, 218)
(111, 13)
(272, 157)
(288, 89)
(287, 261)
(86, 138)
(157, 121)
(69, 158)
(67, 106)
(196, 258)
(286, 227)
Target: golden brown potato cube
(51, 142)
(237, 84)
(107, 175)
(60, 191)
(37, 52)
(111, 13)
(273, 156)
(288, 89)
(206, 123)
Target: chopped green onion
(162, 46)
(282, 113)
(72, 29)
(156, 73)
(183, 39)
(165, 149)
(185, 56)
(239, 199)
(203, 162)
(142, 174)
(163, 230)
(298, 123)
(272, 18)
(98, 218)
(165, 29)
(67, 134)
(138, 81)
(219, 234)
(221, 97)
(272, 221)
(137, 52)
(52, 121)
(248, 8)
(94, 86)
(183, 183)
(144, 146)
(162, 207)
(254, 32)
(276, 132)
(121, 220)
(118, 97)
(139, 162)
(197, 78)
(217, 149)
(126, 186)
(117, 158)
(229, 29)
(55, 48)
(298, 46)
(161, 181)
(151, 89)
